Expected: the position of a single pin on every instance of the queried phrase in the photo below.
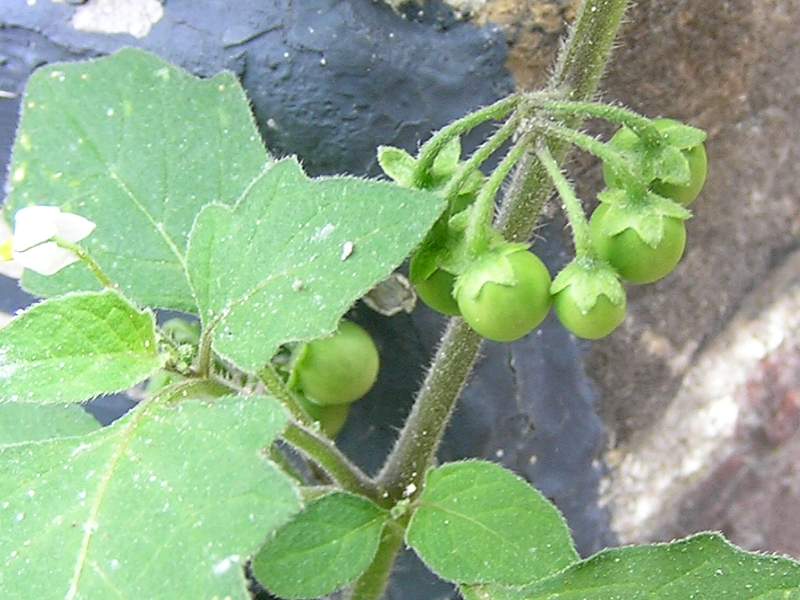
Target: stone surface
(731, 68)
(728, 445)
(134, 17)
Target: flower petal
(34, 225)
(74, 228)
(46, 259)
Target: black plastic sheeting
(330, 81)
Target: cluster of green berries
(507, 292)
(326, 375)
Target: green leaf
(169, 501)
(34, 422)
(137, 146)
(704, 567)
(325, 547)
(398, 164)
(476, 522)
(290, 259)
(76, 347)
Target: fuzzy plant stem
(439, 140)
(278, 388)
(480, 156)
(481, 216)
(324, 453)
(580, 68)
(572, 205)
(618, 164)
(578, 71)
(306, 438)
(642, 126)
(84, 256)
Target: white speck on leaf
(347, 250)
(323, 233)
(225, 564)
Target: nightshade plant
(135, 186)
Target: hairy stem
(572, 206)
(480, 156)
(424, 428)
(642, 126)
(618, 164)
(324, 453)
(580, 68)
(578, 72)
(276, 386)
(307, 439)
(482, 212)
(431, 148)
(84, 256)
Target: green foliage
(704, 567)
(590, 279)
(137, 146)
(323, 548)
(288, 260)
(73, 348)
(174, 498)
(476, 522)
(21, 422)
(171, 499)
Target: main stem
(420, 438)
(578, 72)
(577, 76)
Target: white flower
(8, 266)
(33, 246)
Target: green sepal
(589, 278)
(665, 161)
(645, 216)
(398, 164)
(682, 136)
(668, 164)
(496, 267)
(446, 162)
